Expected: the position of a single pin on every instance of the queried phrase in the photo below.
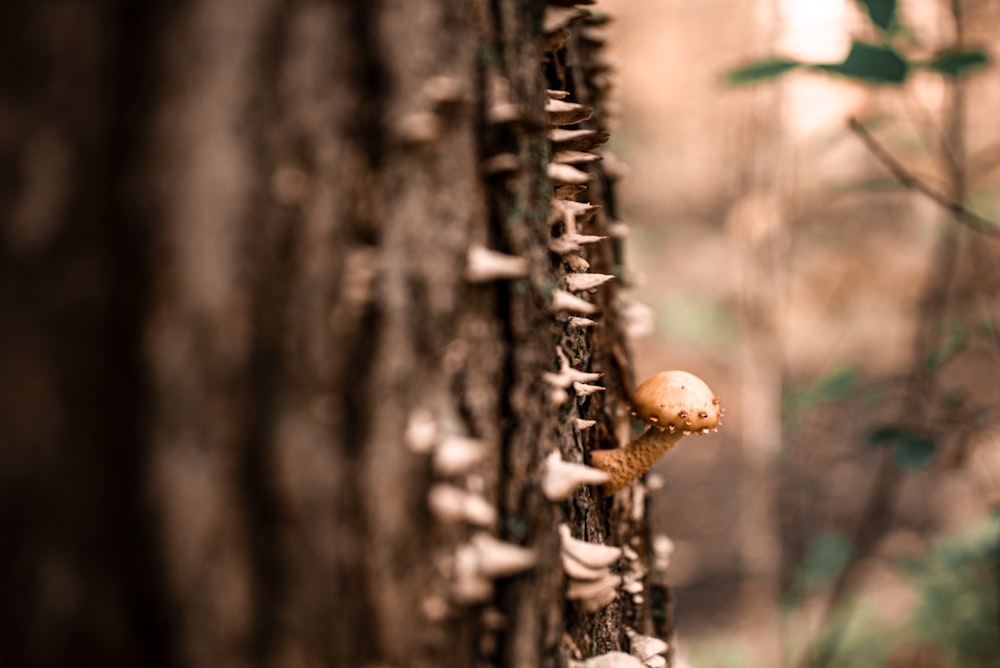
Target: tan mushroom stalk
(673, 404)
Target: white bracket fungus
(567, 301)
(483, 265)
(563, 174)
(561, 478)
(457, 454)
(594, 555)
(582, 282)
(449, 503)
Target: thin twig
(962, 215)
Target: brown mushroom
(673, 404)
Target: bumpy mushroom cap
(677, 401)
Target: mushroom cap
(677, 400)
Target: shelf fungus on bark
(575, 157)
(502, 163)
(586, 389)
(673, 404)
(457, 454)
(483, 560)
(576, 140)
(451, 504)
(561, 478)
(583, 282)
(561, 112)
(569, 377)
(420, 127)
(484, 265)
(567, 301)
(561, 174)
(571, 243)
(588, 568)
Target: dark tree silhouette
(250, 348)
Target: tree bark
(237, 330)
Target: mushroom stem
(628, 462)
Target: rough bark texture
(234, 238)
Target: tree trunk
(248, 354)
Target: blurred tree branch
(907, 179)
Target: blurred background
(849, 323)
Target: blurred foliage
(717, 654)
(954, 625)
(882, 63)
(960, 602)
(703, 321)
(828, 554)
(857, 635)
(839, 383)
(955, 622)
(911, 448)
(954, 341)
(872, 63)
(881, 12)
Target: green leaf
(872, 63)
(836, 385)
(953, 344)
(826, 557)
(911, 448)
(882, 12)
(760, 71)
(956, 62)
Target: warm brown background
(768, 264)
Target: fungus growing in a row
(575, 157)
(561, 174)
(673, 404)
(586, 389)
(502, 163)
(443, 90)
(588, 566)
(561, 478)
(453, 504)
(663, 550)
(420, 127)
(483, 265)
(567, 375)
(590, 554)
(567, 301)
(457, 454)
(561, 112)
(483, 560)
(577, 321)
(583, 282)
(576, 140)
(571, 243)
